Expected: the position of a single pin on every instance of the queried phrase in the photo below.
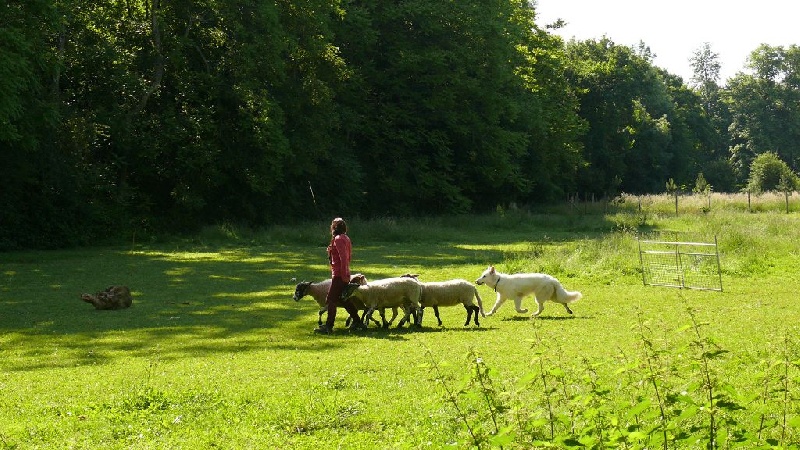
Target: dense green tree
(624, 99)
(447, 106)
(122, 114)
(39, 192)
(551, 107)
(706, 77)
(769, 173)
(202, 111)
(765, 108)
(705, 81)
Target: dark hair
(338, 226)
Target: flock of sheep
(405, 292)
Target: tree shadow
(199, 301)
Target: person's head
(338, 226)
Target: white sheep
(319, 292)
(451, 293)
(388, 293)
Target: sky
(675, 29)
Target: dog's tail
(565, 296)
(480, 302)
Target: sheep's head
(358, 279)
(349, 290)
(300, 290)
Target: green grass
(215, 354)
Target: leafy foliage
(141, 115)
(764, 107)
(769, 173)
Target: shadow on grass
(548, 318)
(188, 302)
(399, 334)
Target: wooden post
(786, 193)
(748, 202)
(676, 203)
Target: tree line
(126, 115)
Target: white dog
(544, 287)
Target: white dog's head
(488, 276)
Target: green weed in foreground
(215, 354)
(656, 400)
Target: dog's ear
(492, 269)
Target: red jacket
(339, 253)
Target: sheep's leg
(436, 313)
(469, 315)
(365, 320)
(403, 320)
(567, 308)
(368, 314)
(475, 309)
(384, 323)
(406, 317)
(321, 311)
(394, 316)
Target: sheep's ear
(492, 268)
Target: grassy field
(215, 353)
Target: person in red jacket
(339, 253)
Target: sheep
(388, 293)
(450, 293)
(113, 297)
(319, 291)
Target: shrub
(769, 173)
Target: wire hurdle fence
(680, 263)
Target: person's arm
(341, 253)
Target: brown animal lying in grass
(113, 297)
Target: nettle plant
(670, 395)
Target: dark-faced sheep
(319, 292)
(400, 292)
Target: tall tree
(443, 115)
(623, 101)
(705, 79)
(765, 108)
(39, 191)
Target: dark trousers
(333, 300)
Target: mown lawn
(215, 353)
